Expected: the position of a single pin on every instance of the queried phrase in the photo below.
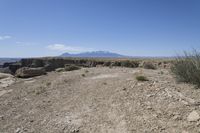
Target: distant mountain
(94, 54)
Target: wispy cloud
(26, 43)
(65, 48)
(4, 37)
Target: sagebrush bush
(107, 63)
(187, 68)
(83, 75)
(131, 64)
(115, 63)
(149, 65)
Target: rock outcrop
(11, 66)
(26, 72)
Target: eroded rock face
(5, 70)
(49, 64)
(10, 67)
(52, 63)
(26, 72)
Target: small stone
(155, 115)
(1, 118)
(162, 129)
(184, 102)
(149, 107)
(198, 124)
(17, 130)
(150, 95)
(124, 89)
(193, 116)
(177, 117)
(75, 131)
(140, 84)
(159, 112)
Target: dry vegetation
(187, 68)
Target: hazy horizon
(75, 55)
(140, 28)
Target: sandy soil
(99, 100)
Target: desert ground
(99, 100)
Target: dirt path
(99, 100)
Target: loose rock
(193, 116)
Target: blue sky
(32, 28)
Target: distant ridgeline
(52, 63)
(94, 54)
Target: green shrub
(115, 63)
(131, 64)
(187, 68)
(107, 63)
(141, 78)
(126, 63)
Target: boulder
(26, 72)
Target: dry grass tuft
(187, 68)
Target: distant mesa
(94, 54)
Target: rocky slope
(99, 100)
